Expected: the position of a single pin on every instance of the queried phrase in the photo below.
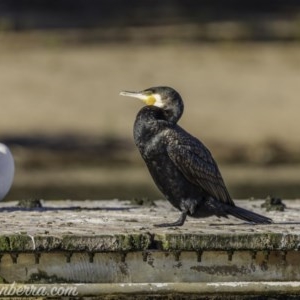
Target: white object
(7, 170)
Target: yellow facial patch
(149, 100)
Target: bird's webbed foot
(179, 222)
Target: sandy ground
(235, 95)
(243, 93)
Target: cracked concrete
(114, 225)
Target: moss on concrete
(4, 243)
(30, 203)
(255, 241)
(144, 241)
(117, 242)
(134, 242)
(20, 242)
(273, 203)
(47, 242)
(97, 243)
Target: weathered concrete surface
(114, 248)
(119, 226)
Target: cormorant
(181, 166)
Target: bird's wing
(194, 160)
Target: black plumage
(181, 166)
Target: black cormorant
(181, 166)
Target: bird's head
(163, 97)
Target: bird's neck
(172, 116)
(149, 121)
(173, 113)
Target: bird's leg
(179, 222)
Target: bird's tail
(247, 215)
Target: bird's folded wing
(198, 166)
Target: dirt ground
(243, 93)
(237, 98)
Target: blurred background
(63, 63)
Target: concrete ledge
(97, 226)
(218, 290)
(147, 241)
(114, 249)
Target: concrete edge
(199, 288)
(150, 241)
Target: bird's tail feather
(248, 215)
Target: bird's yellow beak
(148, 98)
